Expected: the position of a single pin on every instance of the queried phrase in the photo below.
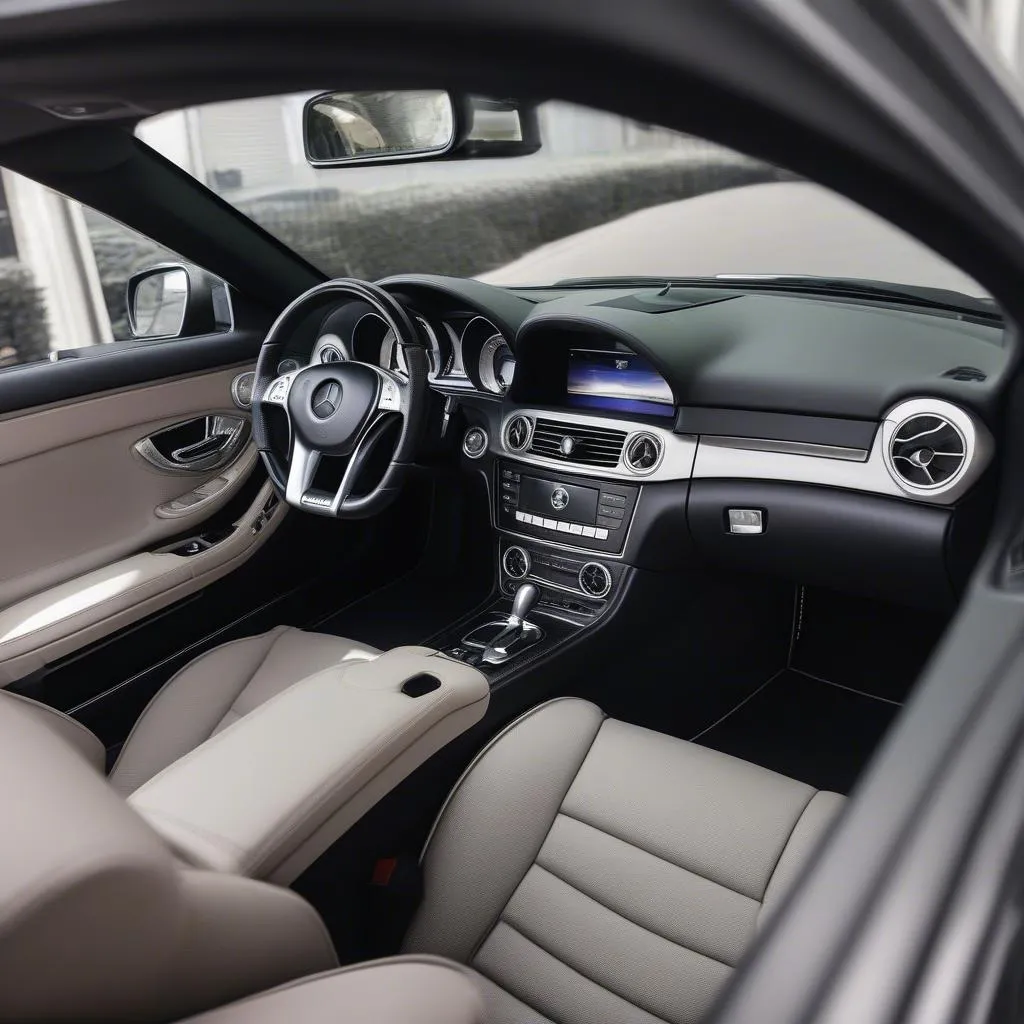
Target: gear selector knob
(525, 600)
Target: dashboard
(844, 440)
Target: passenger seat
(583, 871)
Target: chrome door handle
(193, 453)
(226, 437)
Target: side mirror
(176, 300)
(342, 128)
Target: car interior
(431, 649)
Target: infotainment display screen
(618, 382)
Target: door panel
(92, 492)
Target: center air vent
(577, 442)
(927, 451)
(643, 452)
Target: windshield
(603, 197)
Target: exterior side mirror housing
(342, 128)
(177, 300)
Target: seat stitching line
(533, 860)
(156, 696)
(656, 856)
(247, 684)
(785, 845)
(593, 981)
(682, 867)
(629, 920)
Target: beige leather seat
(208, 694)
(582, 871)
(592, 871)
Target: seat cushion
(595, 871)
(218, 688)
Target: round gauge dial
(329, 348)
(497, 365)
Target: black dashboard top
(749, 350)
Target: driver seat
(206, 696)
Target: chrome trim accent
(507, 426)
(236, 384)
(560, 586)
(504, 562)
(679, 450)
(873, 475)
(636, 436)
(483, 451)
(764, 444)
(333, 341)
(606, 590)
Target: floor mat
(814, 731)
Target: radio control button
(563, 527)
(613, 524)
(602, 534)
(613, 499)
(611, 511)
(576, 528)
(521, 517)
(589, 531)
(549, 524)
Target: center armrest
(265, 797)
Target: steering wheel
(340, 409)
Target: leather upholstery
(402, 990)
(314, 759)
(97, 919)
(64, 726)
(595, 871)
(218, 688)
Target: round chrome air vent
(516, 562)
(643, 452)
(927, 451)
(517, 434)
(595, 580)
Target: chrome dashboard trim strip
(688, 456)
(764, 444)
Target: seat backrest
(98, 920)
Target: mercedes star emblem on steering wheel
(326, 398)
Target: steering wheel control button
(474, 444)
(390, 398)
(745, 520)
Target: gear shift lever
(523, 603)
(517, 633)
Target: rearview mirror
(342, 128)
(346, 127)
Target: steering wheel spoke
(302, 468)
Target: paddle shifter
(518, 633)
